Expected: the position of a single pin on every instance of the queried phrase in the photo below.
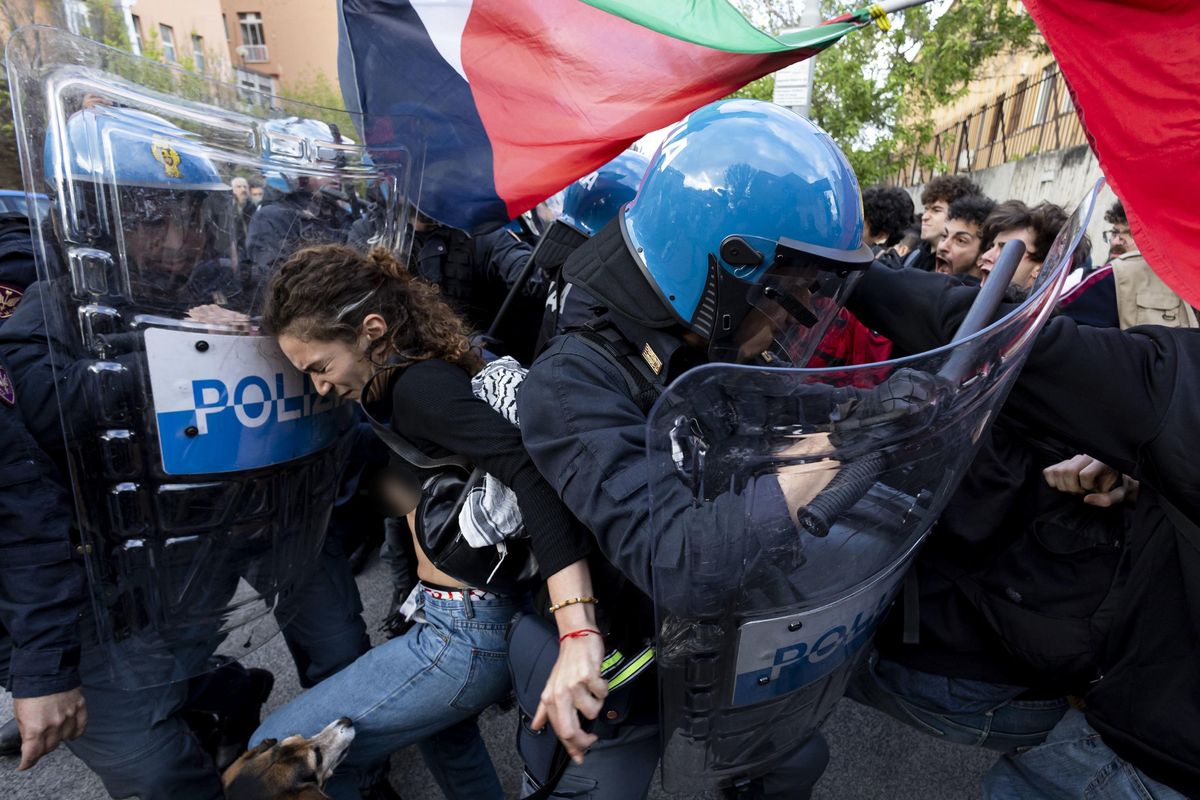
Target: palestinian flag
(1134, 69)
(517, 98)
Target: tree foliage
(875, 92)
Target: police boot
(10, 738)
(381, 790)
(205, 726)
(235, 729)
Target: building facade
(276, 45)
(1019, 107)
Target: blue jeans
(1073, 764)
(956, 709)
(437, 676)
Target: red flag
(1134, 68)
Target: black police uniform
(138, 742)
(17, 266)
(583, 414)
(41, 579)
(1129, 399)
(281, 226)
(475, 274)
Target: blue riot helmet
(314, 146)
(136, 185)
(590, 202)
(748, 226)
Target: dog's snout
(344, 722)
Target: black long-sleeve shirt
(434, 408)
(1128, 398)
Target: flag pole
(892, 6)
(877, 12)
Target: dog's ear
(261, 747)
(235, 768)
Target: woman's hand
(575, 687)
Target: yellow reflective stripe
(631, 670)
(611, 660)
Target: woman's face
(336, 367)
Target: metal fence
(1038, 116)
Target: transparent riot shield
(203, 466)
(788, 505)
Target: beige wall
(187, 17)
(201, 17)
(301, 38)
(1003, 74)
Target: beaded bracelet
(572, 602)
(579, 634)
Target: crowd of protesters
(1054, 612)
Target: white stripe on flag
(445, 21)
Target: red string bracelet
(579, 634)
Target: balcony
(254, 53)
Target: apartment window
(254, 39)
(167, 34)
(77, 17)
(1065, 104)
(137, 34)
(198, 52)
(1014, 110)
(257, 86)
(1041, 109)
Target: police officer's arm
(504, 256)
(1102, 389)
(41, 593)
(587, 436)
(42, 364)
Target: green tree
(761, 89)
(14, 14)
(875, 92)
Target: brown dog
(294, 769)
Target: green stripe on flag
(716, 24)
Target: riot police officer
(41, 591)
(475, 274)
(299, 208)
(678, 272)
(171, 266)
(588, 205)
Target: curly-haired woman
(342, 316)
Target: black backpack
(446, 484)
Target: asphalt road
(873, 757)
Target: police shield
(788, 505)
(203, 466)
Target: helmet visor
(785, 312)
